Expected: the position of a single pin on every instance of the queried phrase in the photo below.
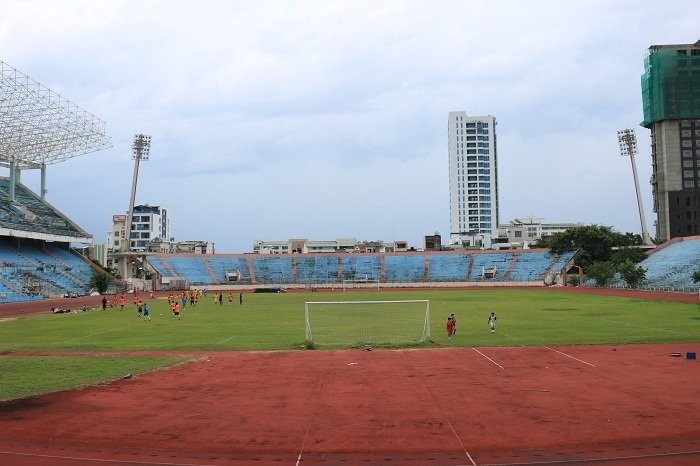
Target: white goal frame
(361, 284)
(372, 331)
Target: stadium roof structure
(39, 127)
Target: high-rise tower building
(671, 99)
(473, 179)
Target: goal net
(357, 323)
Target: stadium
(581, 375)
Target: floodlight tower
(140, 149)
(628, 147)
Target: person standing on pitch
(492, 322)
(454, 325)
(450, 327)
(240, 298)
(146, 312)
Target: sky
(273, 120)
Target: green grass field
(270, 321)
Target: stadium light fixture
(628, 148)
(141, 147)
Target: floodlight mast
(628, 147)
(140, 149)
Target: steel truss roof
(39, 127)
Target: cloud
(328, 119)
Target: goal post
(357, 323)
(361, 284)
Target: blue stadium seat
(404, 268)
(671, 267)
(449, 267)
(272, 270)
(360, 267)
(317, 269)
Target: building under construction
(671, 99)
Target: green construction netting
(670, 86)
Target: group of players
(176, 302)
(451, 326)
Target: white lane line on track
(441, 409)
(569, 356)
(492, 361)
(314, 411)
(85, 460)
(464, 448)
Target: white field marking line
(313, 415)
(460, 442)
(569, 356)
(226, 339)
(494, 362)
(600, 460)
(440, 409)
(508, 336)
(96, 460)
(641, 326)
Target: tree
(601, 272)
(631, 273)
(100, 281)
(696, 276)
(594, 242)
(624, 254)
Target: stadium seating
(485, 261)
(317, 269)
(29, 213)
(404, 268)
(668, 268)
(272, 269)
(561, 262)
(222, 265)
(449, 267)
(671, 267)
(530, 266)
(157, 264)
(29, 272)
(360, 267)
(192, 269)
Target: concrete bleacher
(158, 265)
(331, 269)
(360, 267)
(561, 262)
(531, 266)
(31, 272)
(317, 269)
(272, 269)
(484, 261)
(192, 269)
(404, 268)
(222, 265)
(29, 213)
(671, 266)
(449, 267)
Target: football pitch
(88, 348)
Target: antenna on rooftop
(628, 147)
